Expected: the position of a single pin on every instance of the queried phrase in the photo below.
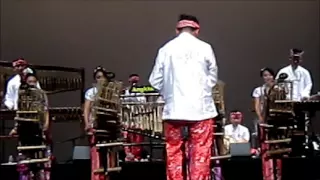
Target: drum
(142, 113)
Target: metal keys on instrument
(143, 113)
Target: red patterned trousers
(134, 151)
(198, 149)
(268, 164)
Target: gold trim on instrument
(288, 140)
(31, 147)
(278, 151)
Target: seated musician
(235, 132)
(133, 153)
(32, 81)
(20, 66)
(301, 78)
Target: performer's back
(185, 85)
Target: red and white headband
(19, 62)
(187, 23)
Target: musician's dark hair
(271, 71)
(99, 69)
(235, 110)
(190, 18)
(108, 75)
(20, 58)
(31, 75)
(132, 75)
(296, 50)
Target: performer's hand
(12, 132)
(45, 126)
(87, 127)
(261, 120)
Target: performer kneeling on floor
(185, 72)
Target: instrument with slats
(275, 134)
(65, 114)
(106, 133)
(141, 112)
(221, 147)
(30, 118)
(306, 105)
(53, 79)
(57, 114)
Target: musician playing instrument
(258, 93)
(133, 153)
(99, 74)
(260, 101)
(301, 78)
(20, 66)
(32, 81)
(42, 171)
(235, 132)
(184, 73)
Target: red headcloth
(236, 115)
(134, 79)
(19, 62)
(187, 23)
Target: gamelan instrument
(141, 112)
(277, 130)
(106, 132)
(220, 148)
(53, 79)
(34, 156)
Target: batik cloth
(198, 149)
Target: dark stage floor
(234, 169)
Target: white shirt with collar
(185, 72)
(301, 78)
(12, 93)
(259, 92)
(238, 132)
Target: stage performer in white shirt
(20, 66)
(301, 78)
(184, 73)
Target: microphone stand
(185, 164)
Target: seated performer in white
(235, 132)
(11, 97)
(300, 76)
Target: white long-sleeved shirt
(238, 132)
(302, 82)
(12, 94)
(185, 72)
